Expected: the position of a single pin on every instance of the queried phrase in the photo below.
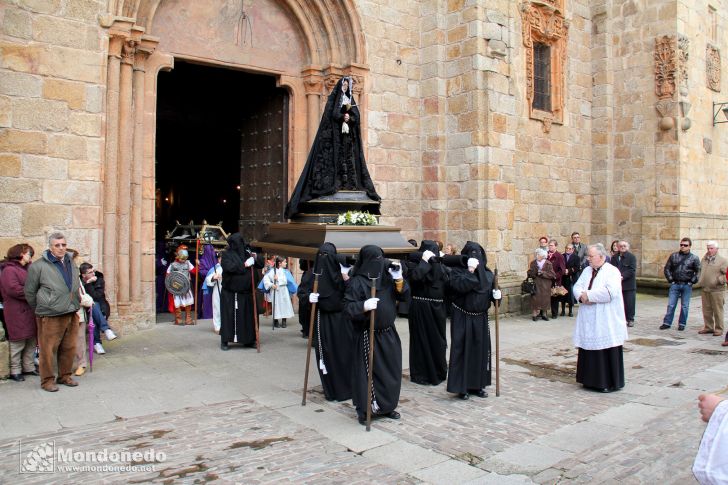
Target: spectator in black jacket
(626, 263)
(94, 284)
(681, 271)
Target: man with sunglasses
(52, 290)
(681, 271)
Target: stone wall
(52, 88)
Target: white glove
(249, 262)
(86, 300)
(473, 263)
(370, 304)
(313, 297)
(427, 255)
(164, 261)
(396, 273)
(344, 269)
(497, 294)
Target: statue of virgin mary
(336, 160)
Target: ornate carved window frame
(544, 22)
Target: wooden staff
(197, 274)
(310, 336)
(255, 307)
(370, 377)
(497, 337)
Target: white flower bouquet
(355, 218)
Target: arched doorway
(221, 151)
(303, 46)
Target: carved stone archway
(326, 42)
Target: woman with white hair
(601, 328)
(543, 274)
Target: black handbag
(528, 286)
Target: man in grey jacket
(52, 290)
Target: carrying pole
(255, 307)
(310, 338)
(197, 274)
(497, 336)
(370, 377)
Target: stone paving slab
(235, 417)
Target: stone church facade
(490, 120)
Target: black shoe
(464, 396)
(31, 373)
(303, 335)
(681, 327)
(275, 324)
(664, 326)
(283, 324)
(563, 313)
(553, 315)
(481, 393)
(534, 318)
(571, 314)
(393, 415)
(545, 318)
(224, 346)
(362, 420)
(17, 377)
(630, 323)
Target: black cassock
(334, 344)
(387, 345)
(236, 298)
(427, 320)
(304, 289)
(470, 366)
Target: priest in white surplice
(600, 325)
(711, 463)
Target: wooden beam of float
(302, 240)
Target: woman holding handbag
(557, 287)
(542, 273)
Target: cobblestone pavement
(202, 415)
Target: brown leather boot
(178, 316)
(188, 315)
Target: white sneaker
(99, 349)
(110, 335)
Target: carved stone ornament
(683, 45)
(127, 52)
(666, 109)
(665, 66)
(543, 22)
(712, 67)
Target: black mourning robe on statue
(236, 298)
(387, 377)
(426, 317)
(336, 160)
(333, 335)
(470, 366)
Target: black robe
(470, 362)
(334, 344)
(387, 345)
(336, 160)
(236, 299)
(427, 321)
(304, 307)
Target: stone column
(116, 39)
(142, 53)
(313, 81)
(125, 155)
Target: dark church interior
(200, 112)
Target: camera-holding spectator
(95, 286)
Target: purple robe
(207, 260)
